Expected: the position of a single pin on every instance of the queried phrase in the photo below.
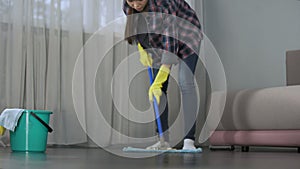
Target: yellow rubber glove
(2, 130)
(155, 88)
(145, 59)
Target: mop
(163, 148)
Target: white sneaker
(188, 144)
(159, 146)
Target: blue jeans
(189, 99)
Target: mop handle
(156, 109)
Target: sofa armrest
(292, 67)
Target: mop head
(141, 150)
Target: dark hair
(130, 37)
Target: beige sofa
(263, 117)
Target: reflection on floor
(89, 158)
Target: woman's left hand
(155, 88)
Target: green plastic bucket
(31, 133)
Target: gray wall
(251, 37)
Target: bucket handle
(42, 122)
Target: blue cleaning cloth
(9, 118)
(141, 150)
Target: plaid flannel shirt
(173, 27)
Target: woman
(170, 33)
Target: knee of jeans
(187, 87)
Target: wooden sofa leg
(245, 148)
(232, 148)
(227, 148)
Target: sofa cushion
(276, 108)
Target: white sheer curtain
(40, 41)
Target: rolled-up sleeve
(169, 58)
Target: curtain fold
(41, 42)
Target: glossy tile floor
(90, 158)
